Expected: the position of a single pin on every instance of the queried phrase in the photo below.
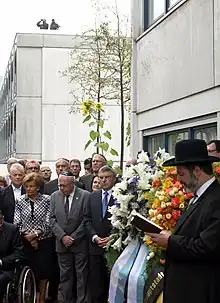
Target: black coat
(9, 203)
(52, 186)
(87, 180)
(193, 255)
(95, 223)
(10, 247)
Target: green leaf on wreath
(113, 152)
(87, 118)
(108, 135)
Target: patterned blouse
(30, 216)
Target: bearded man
(192, 263)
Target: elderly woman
(32, 212)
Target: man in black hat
(193, 252)
(10, 251)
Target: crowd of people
(63, 226)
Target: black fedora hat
(190, 152)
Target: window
(205, 133)
(173, 2)
(168, 140)
(175, 137)
(154, 142)
(154, 9)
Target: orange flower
(156, 183)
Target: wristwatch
(36, 233)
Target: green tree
(100, 66)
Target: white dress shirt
(109, 194)
(202, 189)
(71, 199)
(16, 191)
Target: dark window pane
(207, 133)
(156, 8)
(175, 137)
(154, 142)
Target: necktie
(66, 206)
(191, 202)
(104, 204)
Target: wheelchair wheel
(9, 293)
(27, 286)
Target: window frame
(190, 130)
(168, 7)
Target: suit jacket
(193, 253)
(95, 223)
(87, 180)
(10, 248)
(2, 199)
(9, 203)
(52, 186)
(74, 225)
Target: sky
(21, 16)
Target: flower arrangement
(153, 191)
(216, 169)
(167, 200)
(131, 195)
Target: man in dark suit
(10, 251)
(61, 166)
(13, 191)
(98, 161)
(99, 228)
(69, 205)
(192, 263)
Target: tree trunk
(122, 119)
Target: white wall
(64, 134)
(176, 65)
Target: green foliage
(108, 135)
(113, 152)
(101, 65)
(111, 257)
(87, 118)
(93, 135)
(118, 170)
(93, 113)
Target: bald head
(66, 184)
(131, 162)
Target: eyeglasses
(33, 168)
(211, 150)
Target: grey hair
(107, 169)
(18, 167)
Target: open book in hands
(145, 224)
